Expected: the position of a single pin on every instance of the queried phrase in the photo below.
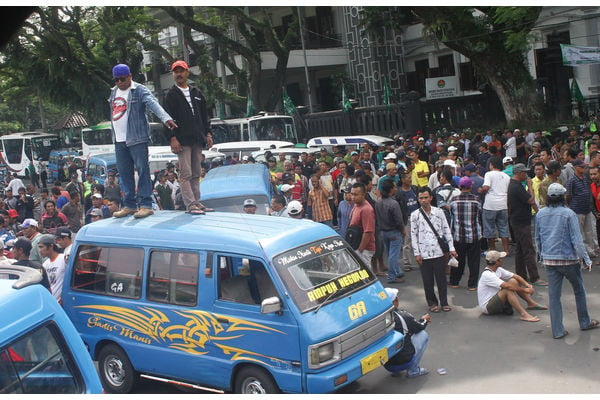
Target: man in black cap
(64, 241)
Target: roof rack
(27, 276)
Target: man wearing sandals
(498, 289)
(188, 107)
(561, 247)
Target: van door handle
(222, 320)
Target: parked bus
(98, 139)
(19, 149)
(259, 127)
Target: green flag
(221, 110)
(387, 93)
(288, 104)
(576, 94)
(249, 107)
(346, 106)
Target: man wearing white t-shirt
(54, 265)
(187, 105)
(131, 133)
(498, 289)
(495, 206)
(511, 145)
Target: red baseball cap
(179, 63)
(13, 213)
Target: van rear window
(321, 271)
(113, 271)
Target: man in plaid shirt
(466, 232)
(318, 201)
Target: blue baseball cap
(121, 70)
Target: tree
(495, 39)
(257, 34)
(64, 55)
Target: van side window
(173, 277)
(39, 362)
(114, 271)
(244, 280)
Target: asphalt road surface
(489, 354)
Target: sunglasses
(121, 78)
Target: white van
(349, 141)
(246, 148)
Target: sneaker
(124, 212)
(143, 213)
(422, 371)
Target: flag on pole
(346, 106)
(576, 94)
(288, 104)
(387, 93)
(221, 110)
(249, 107)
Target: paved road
(498, 354)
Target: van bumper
(324, 381)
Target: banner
(575, 56)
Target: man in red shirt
(363, 215)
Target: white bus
(19, 149)
(98, 139)
(260, 127)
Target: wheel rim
(114, 371)
(253, 386)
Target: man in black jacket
(187, 106)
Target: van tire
(255, 380)
(116, 372)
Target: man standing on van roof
(131, 132)
(188, 106)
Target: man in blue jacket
(187, 105)
(560, 245)
(131, 132)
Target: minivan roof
(235, 180)
(215, 231)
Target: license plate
(373, 361)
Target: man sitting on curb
(498, 289)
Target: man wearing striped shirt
(466, 233)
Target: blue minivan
(225, 301)
(53, 159)
(225, 188)
(99, 165)
(40, 350)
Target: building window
(446, 65)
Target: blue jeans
(128, 158)
(555, 277)
(393, 243)
(419, 340)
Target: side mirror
(271, 305)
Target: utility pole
(310, 107)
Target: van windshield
(320, 271)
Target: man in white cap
(561, 248)
(250, 206)
(415, 340)
(187, 105)
(498, 289)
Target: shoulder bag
(353, 234)
(441, 241)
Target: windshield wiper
(329, 298)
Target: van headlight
(389, 319)
(323, 354)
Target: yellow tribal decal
(147, 325)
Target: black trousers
(468, 252)
(525, 255)
(433, 269)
